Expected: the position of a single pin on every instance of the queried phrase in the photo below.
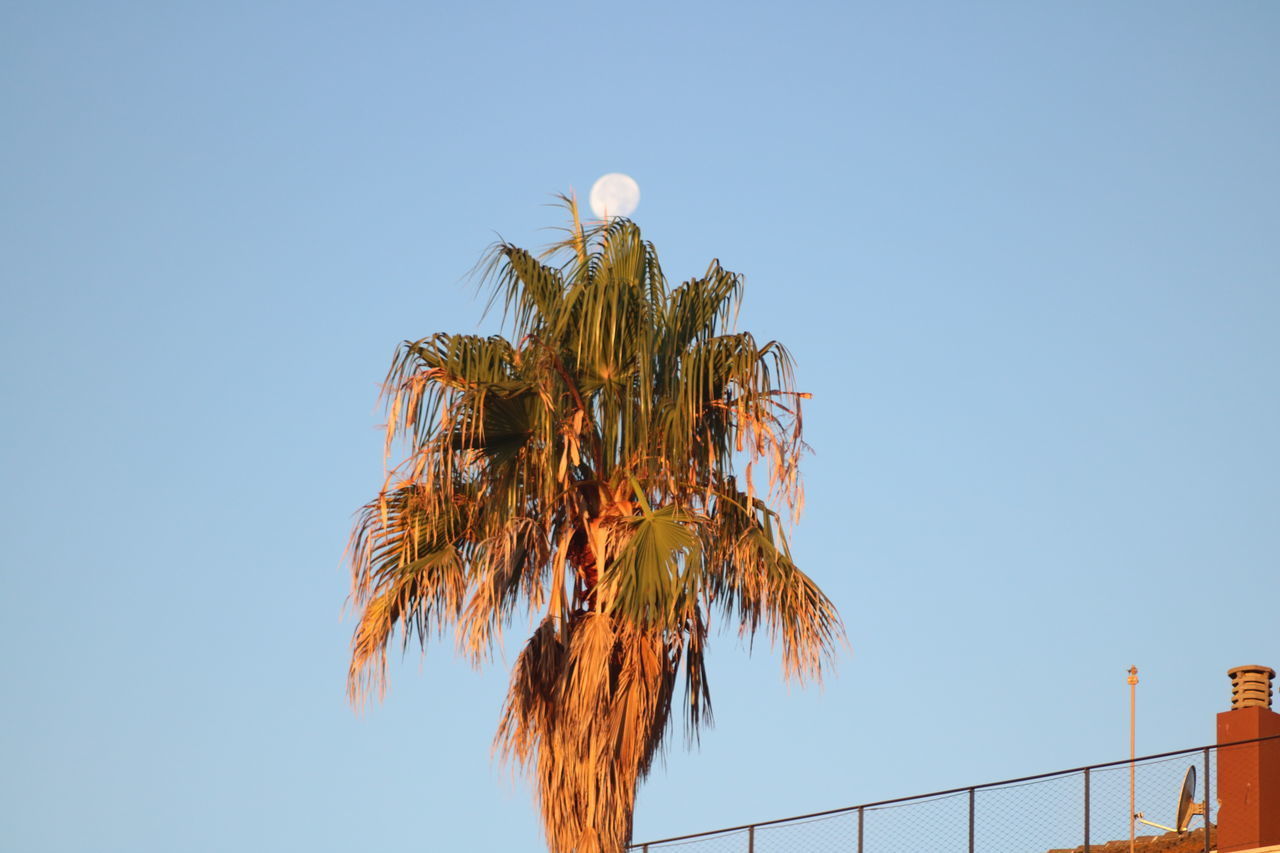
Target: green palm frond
(656, 565)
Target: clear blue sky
(1027, 256)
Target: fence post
(971, 796)
(1208, 800)
(751, 839)
(860, 811)
(1087, 802)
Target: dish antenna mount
(1187, 806)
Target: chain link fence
(1083, 810)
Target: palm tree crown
(583, 472)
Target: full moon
(614, 194)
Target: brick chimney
(1249, 775)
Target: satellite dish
(1187, 806)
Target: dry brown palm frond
(587, 711)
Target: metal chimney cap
(1251, 686)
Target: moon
(614, 194)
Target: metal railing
(1069, 811)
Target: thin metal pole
(1087, 802)
(1133, 743)
(860, 812)
(751, 839)
(971, 795)
(1208, 788)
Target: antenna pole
(1133, 743)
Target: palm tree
(583, 472)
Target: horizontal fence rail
(1081, 810)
